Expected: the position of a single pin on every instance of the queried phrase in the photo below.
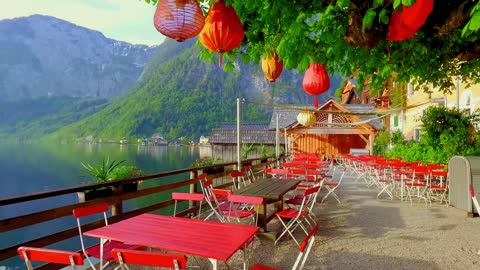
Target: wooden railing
(116, 200)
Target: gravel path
(366, 233)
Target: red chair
(303, 252)
(247, 207)
(94, 251)
(474, 198)
(180, 196)
(148, 258)
(237, 178)
(418, 183)
(249, 174)
(29, 254)
(331, 186)
(295, 216)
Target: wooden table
(272, 191)
(208, 239)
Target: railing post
(117, 208)
(193, 188)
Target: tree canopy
(350, 38)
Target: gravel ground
(366, 233)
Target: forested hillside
(30, 119)
(180, 95)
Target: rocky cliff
(45, 56)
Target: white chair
(295, 216)
(96, 250)
(303, 252)
(331, 186)
(180, 196)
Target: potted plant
(208, 162)
(105, 172)
(262, 151)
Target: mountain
(180, 95)
(44, 56)
(30, 119)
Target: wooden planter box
(93, 194)
(214, 170)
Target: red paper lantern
(405, 24)
(179, 19)
(271, 67)
(223, 30)
(316, 81)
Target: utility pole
(239, 162)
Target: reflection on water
(36, 168)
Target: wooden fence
(116, 201)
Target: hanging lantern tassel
(316, 81)
(223, 30)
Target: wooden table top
(271, 189)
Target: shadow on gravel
(375, 221)
(346, 260)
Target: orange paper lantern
(403, 25)
(316, 81)
(223, 30)
(271, 67)
(179, 19)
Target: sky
(125, 20)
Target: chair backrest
(245, 199)
(87, 211)
(181, 196)
(90, 210)
(29, 254)
(305, 248)
(148, 258)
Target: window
(442, 101)
(395, 121)
(416, 133)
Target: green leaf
(377, 3)
(407, 2)
(343, 3)
(474, 23)
(396, 3)
(368, 19)
(385, 70)
(304, 64)
(228, 67)
(383, 17)
(246, 58)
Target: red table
(208, 239)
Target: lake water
(30, 168)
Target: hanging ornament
(316, 81)
(403, 25)
(306, 118)
(179, 19)
(272, 67)
(223, 30)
